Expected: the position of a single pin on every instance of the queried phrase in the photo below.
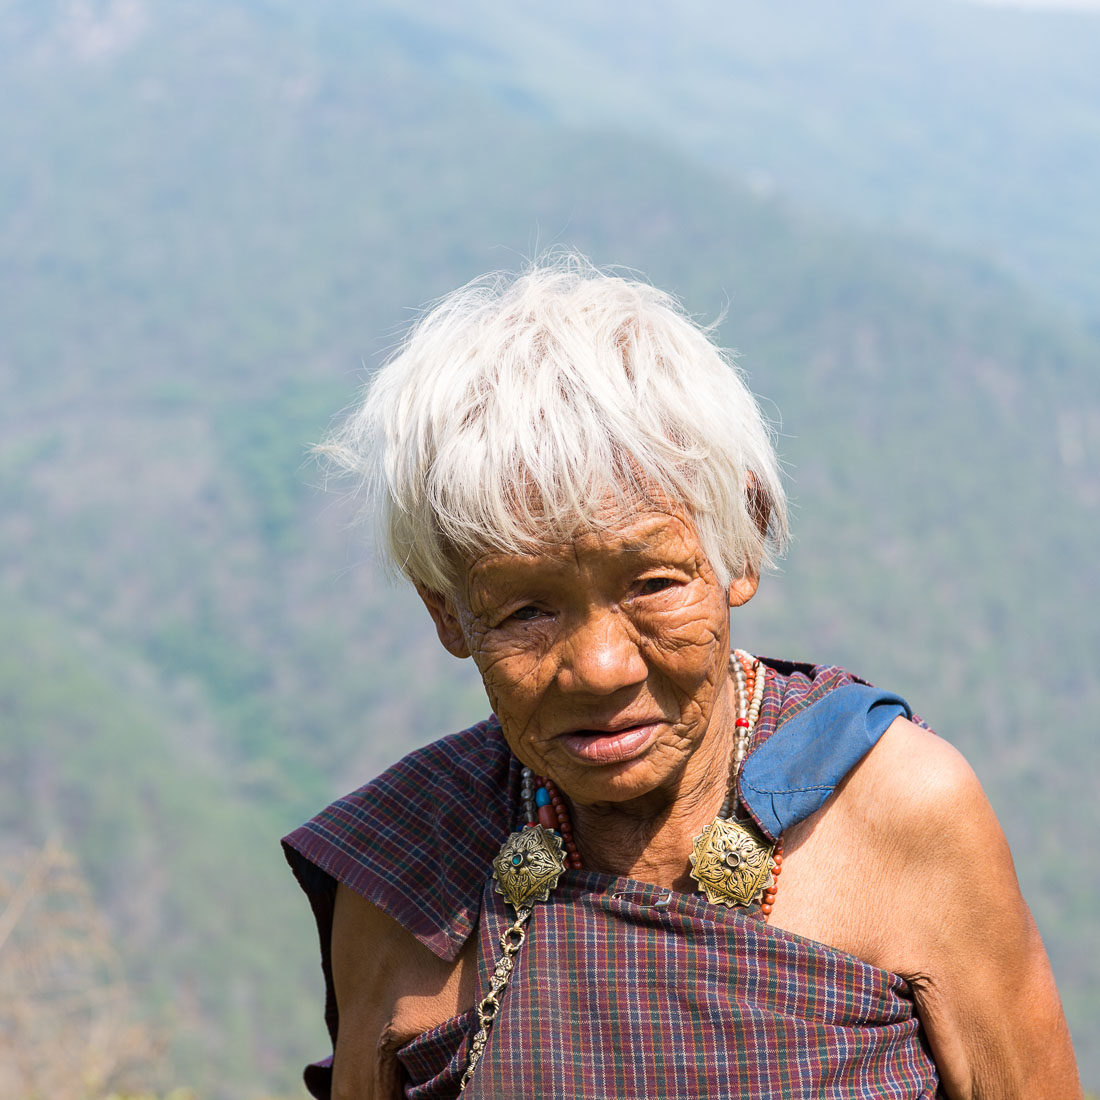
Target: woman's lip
(609, 746)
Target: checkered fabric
(615, 994)
(622, 989)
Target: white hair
(518, 406)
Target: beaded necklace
(732, 862)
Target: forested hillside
(213, 218)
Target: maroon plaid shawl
(613, 994)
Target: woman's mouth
(595, 746)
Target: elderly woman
(662, 867)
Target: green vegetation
(214, 216)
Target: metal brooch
(732, 862)
(528, 866)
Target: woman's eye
(652, 585)
(526, 614)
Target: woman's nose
(602, 655)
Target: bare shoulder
(913, 764)
(954, 920)
(900, 836)
(918, 793)
(389, 989)
(943, 875)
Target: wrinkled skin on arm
(930, 893)
(389, 989)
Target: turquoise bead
(542, 798)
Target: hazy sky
(1068, 5)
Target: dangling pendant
(526, 869)
(732, 862)
(528, 866)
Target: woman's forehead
(646, 532)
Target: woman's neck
(654, 850)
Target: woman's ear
(743, 588)
(447, 625)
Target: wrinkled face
(605, 658)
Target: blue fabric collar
(800, 765)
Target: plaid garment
(614, 995)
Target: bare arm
(983, 985)
(389, 989)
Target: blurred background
(215, 217)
